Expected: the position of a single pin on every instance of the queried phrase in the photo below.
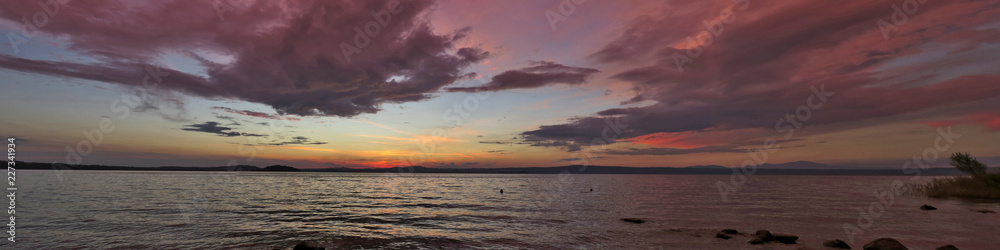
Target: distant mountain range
(789, 168)
(766, 169)
(788, 165)
(48, 166)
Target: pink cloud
(938, 124)
(989, 121)
(300, 57)
(763, 64)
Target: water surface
(258, 210)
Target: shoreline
(573, 169)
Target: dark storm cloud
(766, 62)
(539, 75)
(286, 54)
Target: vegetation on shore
(978, 185)
(279, 168)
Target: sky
(486, 84)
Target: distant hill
(280, 168)
(787, 165)
(707, 166)
(49, 166)
(789, 168)
(766, 169)
(802, 165)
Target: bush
(991, 181)
(979, 187)
(967, 164)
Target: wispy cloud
(257, 114)
(214, 128)
(540, 74)
(297, 140)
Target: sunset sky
(498, 83)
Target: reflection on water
(110, 209)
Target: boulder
(633, 220)
(836, 244)
(723, 236)
(726, 234)
(927, 207)
(785, 238)
(948, 247)
(885, 244)
(307, 246)
(764, 236)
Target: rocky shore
(724, 239)
(699, 238)
(761, 237)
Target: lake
(267, 210)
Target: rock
(762, 237)
(836, 244)
(948, 247)
(723, 236)
(633, 220)
(306, 246)
(785, 238)
(763, 234)
(927, 207)
(885, 244)
(985, 212)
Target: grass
(985, 186)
